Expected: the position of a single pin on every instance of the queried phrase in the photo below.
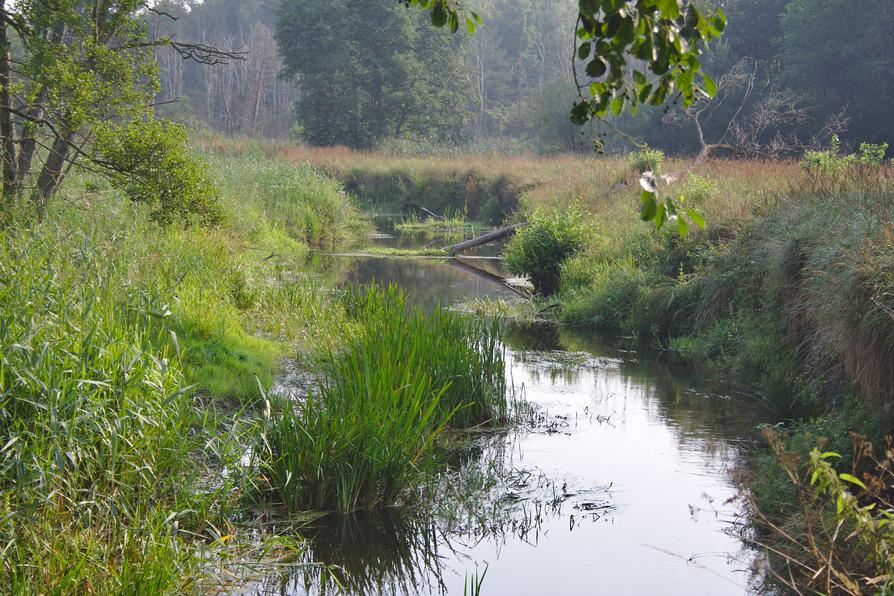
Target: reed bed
(130, 362)
(361, 440)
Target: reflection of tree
(692, 405)
(695, 406)
(429, 282)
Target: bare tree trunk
(257, 106)
(7, 130)
(52, 173)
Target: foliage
(842, 538)
(539, 249)
(152, 165)
(646, 160)
(788, 293)
(412, 85)
(75, 68)
(128, 358)
(697, 191)
(830, 164)
(359, 441)
(667, 210)
(666, 37)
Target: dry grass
(603, 185)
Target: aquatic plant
(128, 362)
(359, 441)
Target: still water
(619, 483)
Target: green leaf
(696, 217)
(670, 9)
(618, 105)
(453, 21)
(583, 52)
(580, 113)
(596, 68)
(660, 216)
(710, 85)
(682, 227)
(648, 206)
(439, 14)
(852, 479)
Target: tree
(371, 70)
(68, 68)
(633, 52)
(242, 97)
(841, 54)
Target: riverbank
(138, 360)
(787, 293)
(135, 361)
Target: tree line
(788, 73)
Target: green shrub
(540, 248)
(151, 163)
(609, 300)
(646, 160)
(696, 191)
(831, 164)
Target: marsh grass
(455, 228)
(130, 362)
(362, 439)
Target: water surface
(618, 484)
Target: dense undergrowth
(129, 354)
(136, 371)
(794, 302)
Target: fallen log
(483, 239)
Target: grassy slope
(128, 352)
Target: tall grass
(128, 356)
(360, 441)
(98, 423)
(461, 353)
(464, 184)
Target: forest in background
(790, 73)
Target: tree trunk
(483, 239)
(7, 130)
(53, 171)
(28, 147)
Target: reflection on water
(430, 281)
(625, 489)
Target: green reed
(361, 439)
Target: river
(618, 480)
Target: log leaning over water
(483, 239)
